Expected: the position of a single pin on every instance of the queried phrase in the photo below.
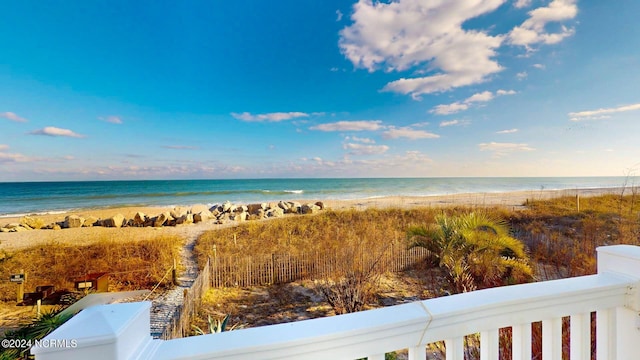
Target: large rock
(309, 208)
(162, 219)
(89, 221)
(241, 209)
(114, 221)
(139, 219)
(238, 216)
(227, 206)
(185, 219)
(73, 221)
(31, 222)
(254, 209)
(275, 212)
(202, 216)
(178, 212)
(294, 208)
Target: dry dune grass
(133, 264)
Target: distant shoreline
(17, 199)
(508, 199)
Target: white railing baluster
(552, 339)
(417, 353)
(605, 334)
(489, 345)
(455, 348)
(521, 342)
(580, 337)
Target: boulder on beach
(73, 221)
(89, 221)
(309, 208)
(178, 212)
(114, 221)
(185, 219)
(202, 216)
(253, 209)
(32, 222)
(139, 219)
(162, 219)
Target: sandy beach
(85, 235)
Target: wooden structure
(94, 282)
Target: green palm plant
(474, 249)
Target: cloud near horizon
(601, 113)
(269, 117)
(501, 149)
(508, 131)
(364, 149)
(12, 116)
(429, 37)
(409, 133)
(358, 125)
(6, 157)
(54, 131)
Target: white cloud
(539, 66)
(454, 123)
(509, 131)
(12, 116)
(362, 149)
(338, 15)
(360, 125)
(359, 139)
(505, 92)
(6, 157)
(54, 131)
(501, 149)
(522, 75)
(522, 3)
(601, 113)
(480, 97)
(532, 31)
(428, 37)
(409, 133)
(446, 109)
(269, 117)
(406, 34)
(112, 119)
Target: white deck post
(103, 332)
(624, 336)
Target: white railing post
(618, 332)
(103, 332)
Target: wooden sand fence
(258, 270)
(180, 324)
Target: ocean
(19, 198)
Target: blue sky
(103, 90)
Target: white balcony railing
(121, 331)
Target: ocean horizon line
(44, 197)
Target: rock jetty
(220, 214)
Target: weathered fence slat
(245, 271)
